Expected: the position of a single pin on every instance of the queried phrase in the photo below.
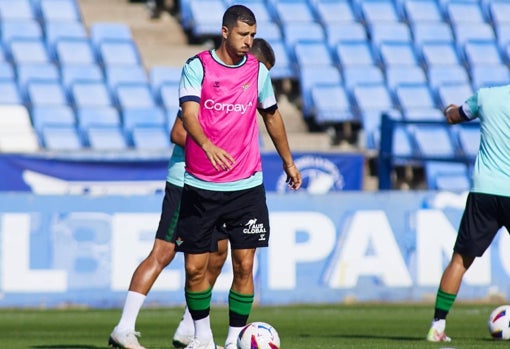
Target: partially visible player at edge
(163, 250)
(220, 93)
(488, 202)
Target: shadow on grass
(67, 346)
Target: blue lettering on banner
(381, 246)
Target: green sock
(199, 303)
(239, 306)
(444, 302)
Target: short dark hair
(263, 51)
(238, 13)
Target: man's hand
(219, 158)
(294, 180)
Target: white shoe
(181, 339)
(195, 344)
(434, 336)
(230, 345)
(124, 339)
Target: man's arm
(178, 133)
(454, 114)
(218, 157)
(276, 129)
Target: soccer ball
(499, 322)
(258, 335)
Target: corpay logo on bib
(227, 107)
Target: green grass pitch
(360, 326)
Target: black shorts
(483, 216)
(243, 213)
(170, 214)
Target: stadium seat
(469, 139)
(481, 52)
(107, 31)
(40, 93)
(104, 116)
(90, 94)
(424, 32)
(293, 11)
(424, 114)
(28, 51)
(464, 32)
(354, 53)
(56, 30)
(404, 74)
(361, 74)
(438, 75)
(312, 53)
(59, 10)
(311, 76)
(371, 130)
(434, 141)
(397, 53)
(16, 132)
(293, 32)
(74, 51)
(381, 32)
(169, 95)
(422, 11)
(283, 68)
(402, 145)
(411, 96)
(269, 31)
(106, 138)
(9, 93)
(329, 12)
(124, 74)
(260, 8)
(129, 96)
(116, 52)
(378, 11)
(489, 75)
(205, 18)
(158, 75)
(148, 116)
(150, 138)
(6, 71)
(345, 31)
(20, 29)
(80, 73)
(459, 11)
(374, 97)
(503, 37)
(453, 94)
(331, 105)
(36, 71)
(18, 9)
(52, 115)
(439, 53)
(61, 138)
(449, 176)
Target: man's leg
(241, 296)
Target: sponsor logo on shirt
(227, 107)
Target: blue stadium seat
(459, 11)
(449, 176)
(503, 36)
(158, 75)
(270, 31)
(28, 51)
(20, 29)
(434, 140)
(354, 53)
(52, 115)
(375, 97)
(90, 94)
(361, 74)
(129, 96)
(438, 75)
(411, 96)
(378, 11)
(36, 71)
(260, 8)
(397, 53)
(482, 52)
(293, 32)
(72, 73)
(293, 11)
(170, 116)
(424, 114)
(283, 68)
(424, 32)
(489, 75)
(124, 74)
(9, 93)
(116, 52)
(41, 93)
(331, 105)
(150, 138)
(439, 53)
(345, 31)
(312, 53)
(329, 12)
(18, 9)
(311, 76)
(106, 138)
(422, 11)
(6, 71)
(404, 74)
(453, 94)
(59, 10)
(148, 116)
(402, 144)
(104, 116)
(205, 18)
(106, 31)
(469, 139)
(56, 30)
(499, 12)
(381, 32)
(371, 122)
(74, 51)
(61, 138)
(464, 32)
(169, 95)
